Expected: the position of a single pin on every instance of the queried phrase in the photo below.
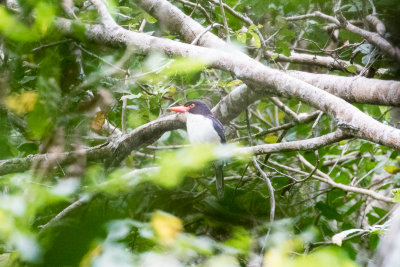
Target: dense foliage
(158, 207)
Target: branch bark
(355, 89)
(175, 20)
(258, 75)
(253, 73)
(115, 151)
(249, 70)
(300, 145)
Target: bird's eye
(192, 105)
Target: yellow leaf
(234, 83)
(391, 169)
(22, 103)
(270, 138)
(274, 257)
(98, 121)
(90, 255)
(166, 226)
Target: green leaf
(38, 122)
(270, 139)
(241, 240)
(396, 193)
(328, 211)
(27, 79)
(257, 42)
(391, 169)
(177, 66)
(366, 147)
(234, 83)
(150, 19)
(252, 31)
(381, 212)
(44, 16)
(28, 148)
(176, 164)
(14, 29)
(241, 37)
(351, 68)
(274, 56)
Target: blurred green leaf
(351, 68)
(328, 211)
(396, 193)
(175, 165)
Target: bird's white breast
(201, 130)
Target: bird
(203, 128)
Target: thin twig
(209, 27)
(51, 44)
(315, 167)
(124, 103)
(142, 25)
(197, 5)
(284, 108)
(228, 38)
(327, 179)
(100, 58)
(271, 200)
(373, 7)
(65, 211)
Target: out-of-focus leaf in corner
(98, 121)
(166, 226)
(22, 103)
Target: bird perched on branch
(204, 128)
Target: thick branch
(355, 89)
(254, 74)
(291, 88)
(23, 164)
(300, 145)
(118, 149)
(181, 23)
(377, 23)
(175, 20)
(235, 102)
(113, 152)
(105, 16)
(142, 136)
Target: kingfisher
(203, 128)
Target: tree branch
(355, 89)
(307, 59)
(300, 145)
(253, 73)
(120, 147)
(257, 74)
(372, 37)
(175, 20)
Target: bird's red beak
(180, 109)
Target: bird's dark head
(194, 107)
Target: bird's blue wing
(219, 128)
